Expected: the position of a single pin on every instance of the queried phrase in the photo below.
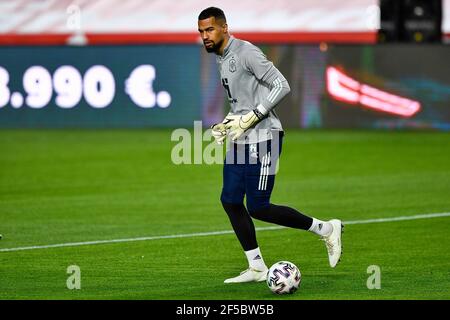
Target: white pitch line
(401, 218)
(214, 233)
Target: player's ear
(225, 28)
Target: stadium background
(91, 91)
(122, 37)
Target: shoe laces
(329, 244)
(246, 270)
(251, 269)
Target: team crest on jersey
(232, 66)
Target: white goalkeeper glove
(241, 123)
(219, 132)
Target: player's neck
(224, 45)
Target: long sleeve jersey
(250, 79)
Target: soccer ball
(283, 277)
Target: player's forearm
(279, 89)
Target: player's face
(212, 33)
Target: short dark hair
(212, 12)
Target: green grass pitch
(64, 186)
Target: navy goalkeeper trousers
(249, 171)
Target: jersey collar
(227, 47)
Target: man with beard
(254, 87)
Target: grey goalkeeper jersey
(250, 79)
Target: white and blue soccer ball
(284, 277)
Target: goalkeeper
(254, 87)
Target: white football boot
(249, 275)
(333, 242)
